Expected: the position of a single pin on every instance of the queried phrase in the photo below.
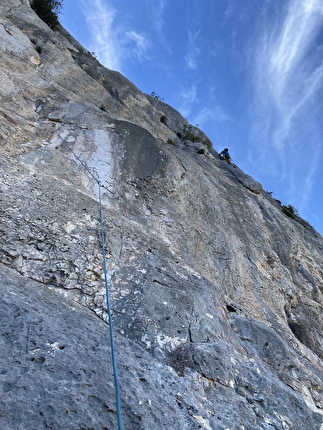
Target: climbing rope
(83, 163)
(114, 361)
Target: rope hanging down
(114, 362)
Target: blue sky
(249, 73)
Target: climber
(224, 155)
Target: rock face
(216, 295)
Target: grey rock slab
(55, 372)
(216, 294)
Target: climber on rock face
(224, 155)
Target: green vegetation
(156, 96)
(188, 134)
(163, 119)
(48, 10)
(201, 151)
(171, 142)
(292, 212)
(207, 143)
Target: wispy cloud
(194, 49)
(288, 78)
(156, 10)
(139, 44)
(188, 98)
(214, 114)
(292, 60)
(104, 43)
(228, 12)
(111, 39)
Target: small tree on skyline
(48, 10)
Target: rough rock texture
(216, 294)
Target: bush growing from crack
(156, 96)
(207, 143)
(171, 142)
(292, 212)
(188, 134)
(163, 119)
(48, 11)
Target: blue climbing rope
(114, 362)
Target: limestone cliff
(216, 294)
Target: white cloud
(139, 43)
(188, 98)
(229, 11)
(289, 61)
(214, 114)
(288, 78)
(194, 50)
(156, 10)
(110, 38)
(104, 43)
